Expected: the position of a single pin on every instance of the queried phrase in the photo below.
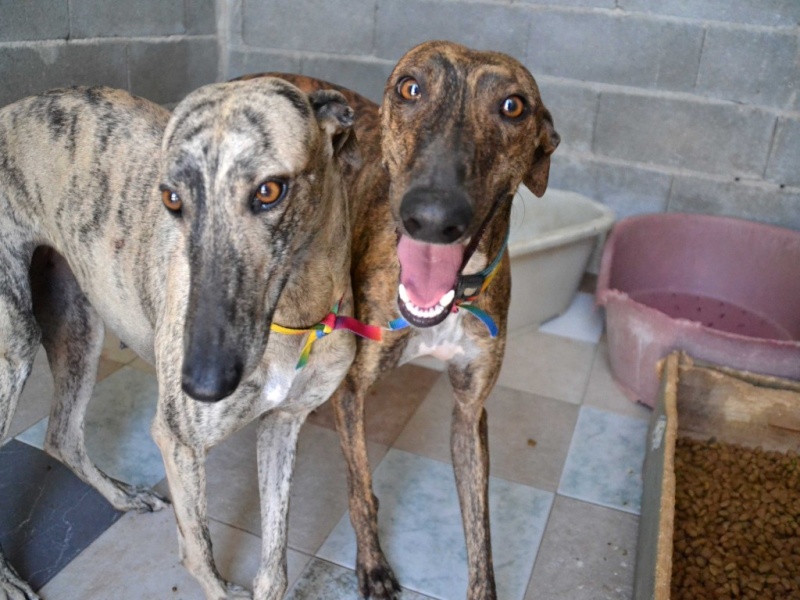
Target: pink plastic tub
(724, 290)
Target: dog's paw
(139, 499)
(237, 592)
(12, 587)
(378, 582)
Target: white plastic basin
(552, 239)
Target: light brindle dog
(187, 235)
(457, 132)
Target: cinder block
(751, 12)
(31, 70)
(574, 109)
(33, 20)
(338, 26)
(102, 18)
(626, 190)
(725, 139)
(753, 67)
(200, 17)
(616, 49)
(368, 79)
(165, 72)
(755, 201)
(402, 24)
(245, 62)
(784, 162)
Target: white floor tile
(422, 535)
(137, 559)
(582, 321)
(604, 463)
(118, 428)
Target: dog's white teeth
(447, 299)
(424, 313)
(403, 294)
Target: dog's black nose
(211, 378)
(435, 216)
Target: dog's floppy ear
(336, 117)
(547, 141)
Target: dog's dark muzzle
(211, 372)
(214, 356)
(436, 216)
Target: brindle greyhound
(188, 236)
(456, 134)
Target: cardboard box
(701, 400)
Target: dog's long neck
(492, 243)
(322, 278)
(492, 236)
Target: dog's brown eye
(270, 192)
(171, 200)
(513, 107)
(408, 88)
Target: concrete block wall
(159, 49)
(663, 105)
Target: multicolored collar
(468, 288)
(332, 322)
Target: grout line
(771, 152)
(595, 358)
(605, 160)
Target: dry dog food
(737, 522)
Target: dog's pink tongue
(428, 271)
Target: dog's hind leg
(19, 341)
(72, 335)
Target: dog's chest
(446, 341)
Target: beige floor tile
(529, 435)
(602, 392)
(143, 365)
(547, 365)
(113, 351)
(147, 546)
(389, 405)
(106, 367)
(588, 553)
(319, 488)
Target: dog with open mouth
(457, 132)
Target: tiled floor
(566, 453)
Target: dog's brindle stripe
(456, 125)
(85, 242)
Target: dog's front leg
(277, 447)
(469, 446)
(186, 474)
(376, 581)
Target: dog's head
(461, 130)
(250, 173)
